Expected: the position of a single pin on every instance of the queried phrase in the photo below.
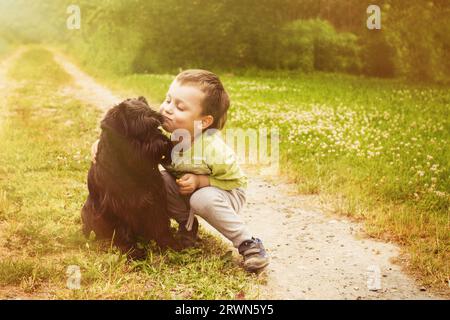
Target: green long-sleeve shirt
(214, 158)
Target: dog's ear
(159, 149)
(166, 157)
(142, 99)
(145, 126)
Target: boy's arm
(225, 182)
(226, 173)
(190, 182)
(203, 181)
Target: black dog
(127, 199)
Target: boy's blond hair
(216, 101)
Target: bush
(109, 38)
(297, 43)
(421, 46)
(378, 55)
(315, 45)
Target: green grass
(45, 138)
(5, 47)
(376, 150)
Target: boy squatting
(213, 186)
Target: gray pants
(218, 207)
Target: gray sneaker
(255, 256)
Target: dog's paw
(171, 244)
(137, 254)
(176, 246)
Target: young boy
(208, 183)
(212, 185)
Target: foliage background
(136, 36)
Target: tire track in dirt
(5, 66)
(86, 89)
(7, 85)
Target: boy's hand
(190, 182)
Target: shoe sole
(256, 264)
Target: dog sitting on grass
(127, 199)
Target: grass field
(375, 150)
(45, 138)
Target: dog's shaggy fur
(127, 199)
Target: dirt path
(5, 65)
(86, 89)
(6, 86)
(313, 255)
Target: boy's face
(183, 106)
